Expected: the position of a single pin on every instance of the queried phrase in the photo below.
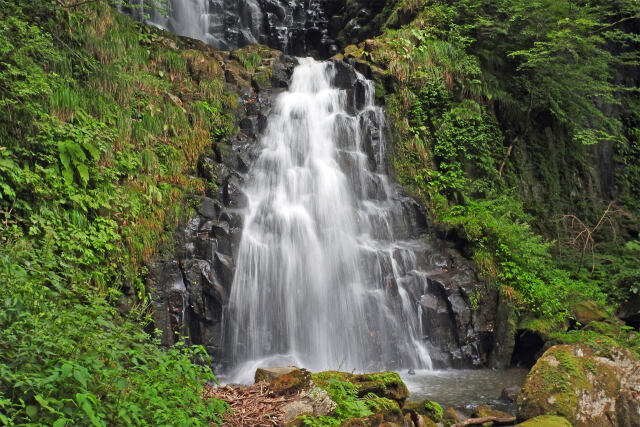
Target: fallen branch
(480, 421)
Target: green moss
(321, 379)
(559, 377)
(291, 382)
(546, 421)
(428, 408)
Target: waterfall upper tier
(317, 28)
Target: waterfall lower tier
(321, 268)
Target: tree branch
(477, 421)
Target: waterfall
(322, 266)
(292, 26)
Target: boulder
(291, 382)
(319, 399)
(588, 387)
(484, 411)
(585, 312)
(427, 408)
(209, 208)
(295, 409)
(268, 374)
(383, 384)
(450, 416)
(510, 394)
(630, 311)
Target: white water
(319, 269)
(204, 19)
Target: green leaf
(121, 384)
(32, 411)
(80, 374)
(61, 422)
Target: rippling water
(465, 388)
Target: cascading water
(230, 24)
(322, 265)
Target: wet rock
(630, 311)
(510, 394)
(344, 77)
(209, 208)
(268, 374)
(249, 126)
(200, 280)
(504, 340)
(169, 299)
(224, 269)
(586, 387)
(232, 195)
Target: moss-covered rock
(378, 420)
(580, 384)
(487, 411)
(291, 383)
(585, 312)
(428, 408)
(284, 381)
(450, 416)
(546, 421)
(383, 384)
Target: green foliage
(345, 394)
(67, 358)
(435, 409)
(94, 147)
(496, 104)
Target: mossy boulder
(584, 386)
(378, 420)
(387, 407)
(483, 411)
(450, 416)
(585, 312)
(284, 381)
(546, 421)
(428, 408)
(383, 384)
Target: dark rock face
(189, 293)
(317, 28)
(630, 311)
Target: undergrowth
(102, 120)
